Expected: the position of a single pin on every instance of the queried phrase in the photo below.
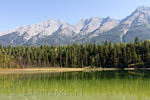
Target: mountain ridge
(91, 30)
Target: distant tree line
(118, 55)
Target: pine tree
(137, 41)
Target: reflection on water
(105, 85)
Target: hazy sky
(24, 12)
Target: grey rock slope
(92, 30)
(135, 25)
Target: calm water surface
(105, 85)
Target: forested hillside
(119, 55)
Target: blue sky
(16, 13)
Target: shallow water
(105, 85)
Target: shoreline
(53, 70)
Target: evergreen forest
(108, 55)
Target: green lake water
(99, 85)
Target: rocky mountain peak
(140, 16)
(143, 9)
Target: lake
(97, 85)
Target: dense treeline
(119, 55)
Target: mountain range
(91, 30)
